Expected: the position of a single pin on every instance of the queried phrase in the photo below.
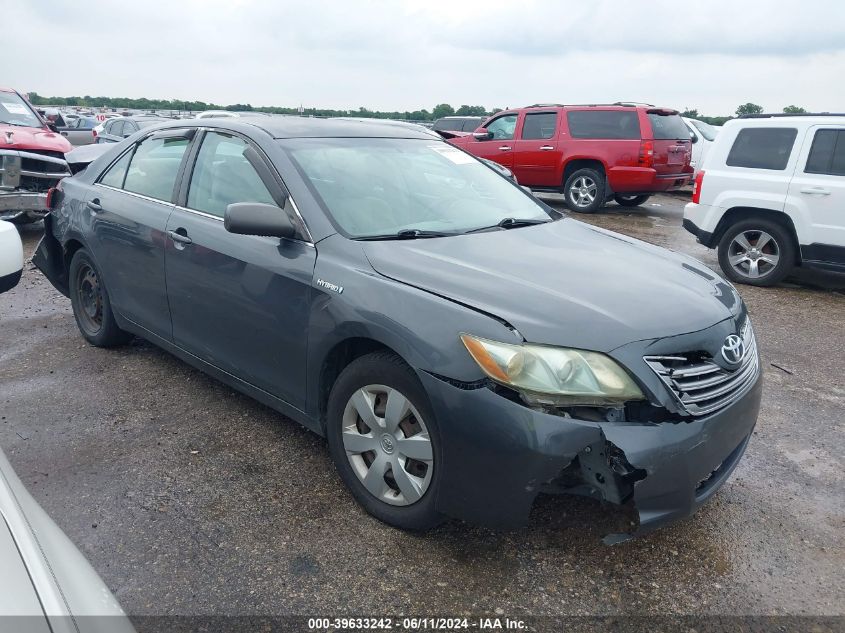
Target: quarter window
(153, 168)
(827, 155)
(762, 148)
(503, 127)
(604, 124)
(539, 125)
(223, 175)
(117, 172)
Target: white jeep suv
(771, 196)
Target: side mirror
(482, 135)
(52, 126)
(257, 218)
(693, 137)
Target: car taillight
(95, 133)
(696, 189)
(51, 197)
(646, 158)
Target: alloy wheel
(388, 445)
(583, 191)
(753, 254)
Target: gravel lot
(189, 498)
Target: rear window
(616, 124)
(827, 155)
(668, 126)
(762, 148)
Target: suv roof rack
(777, 115)
(631, 104)
(546, 105)
(634, 103)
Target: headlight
(554, 375)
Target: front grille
(30, 171)
(699, 384)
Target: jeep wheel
(630, 201)
(756, 252)
(584, 190)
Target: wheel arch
(738, 214)
(574, 163)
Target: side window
(129, 128)
(604, 124)
(503, 127)
(539, 125)
(827, 154)
(762, 148)
(115, 174)
(222, 175)
(115, 127)
(153, 168)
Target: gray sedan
(119, 128)
(462, 346)
(80, 131)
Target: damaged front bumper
(498, 455)
(25, 178)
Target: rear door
(238, 302)
(128, 209)
(672, 143)
(535, 155)
(500, 147)
(816, 197)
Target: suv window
(153, 168)
(612, 124)
(115, 174)
(762, 148)
(667, 126)
(223, 175)
(503, 127)
(827, 155)
(539, 125)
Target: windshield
(667, 127)
(15, 111)
(376, 187)
(708, 131)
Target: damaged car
(462, 346)
(32, 159)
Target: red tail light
(95, 133)
(646, 158)
(696, 189)
(51, 197)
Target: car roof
(281, 126)
(768, 120)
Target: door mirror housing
(257, 218)
(693, 137)
(482, 135)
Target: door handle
(94, 205)
(505, 148)
(179, 237)
(819, 191)
(546, 148)
(63, 133)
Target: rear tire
(630, 201)
(91, 304)
(585, 190)
(757, 252)
(407, 443)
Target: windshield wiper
(407, 234)
(510, 223)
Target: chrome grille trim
(702, 386)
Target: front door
(238, 302)
(500, 146)
(536, 155)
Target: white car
(771, 196)
(11, 256)
(702, 135)
(45, 583)
(217, 114)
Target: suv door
(535, 155)
(816, 198)
(238, 302)
(129, 207)
(500, 146)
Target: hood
(565, 282)
(29, 138)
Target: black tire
(384, 368)
(630, 201)
(753, 230)
(91, 305)
(595, 187)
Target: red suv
(590, 153)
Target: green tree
(691, 113)
(467, 110)
(794, 109)
(749, 108)
(441, 110)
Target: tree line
(438, 111)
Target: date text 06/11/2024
(417, 624)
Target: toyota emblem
(733, 349)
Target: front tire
(630, 201)
(757, 252)
(585, 190)
(384, 441)
(91, 304)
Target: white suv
(771, 195)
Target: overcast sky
(404, 55)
